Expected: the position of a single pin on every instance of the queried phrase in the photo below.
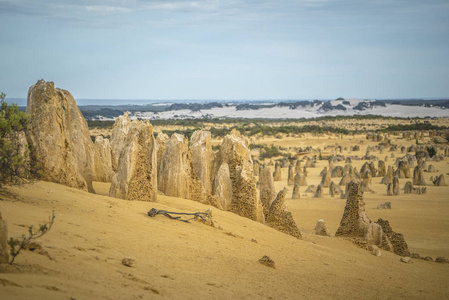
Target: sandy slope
(174, 260)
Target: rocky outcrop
(235, 152)
(408, 187)
(318, 192)
(320, 228)
(440, 180)
(291, 175)
(388, 178)
(103, 148)
(177, 176)
(280, 218)
(60, 137)
(337, 171)
(4, 249)
(277, 175)
(118, 137)
(223, 186)
(267, 192)
(136, 175)
(296, 194)
(403, 170)
(381, 168)
(300, 179)
(393, 187)
(354, 220)
(326, 179)
(334, 189)
(161, 140)
(366, 181)
(418, 176)
(202, 157)
(400, 247)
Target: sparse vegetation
(15, 246)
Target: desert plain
(81, 256)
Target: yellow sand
(175, 260)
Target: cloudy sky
(280, 49)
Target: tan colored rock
(397, 240)
(161, 140)
(326, 179)
(118, 137)
(318, 192)
(277, 175)
(388, 178)
(267, 191)
(374, 235)
(103, 148)
(235, 152)
(354, 220)
(202, 157)
(4, 249)
(408, 187)
(366, 181)
(280, 218)
(256, 168)
(60, 137)
(403, 170)
(418, 176)
(136, 175)
(223, 186)
(440, 181)
(320, 228)
(291, 175)
(296, 194)
(381, 168)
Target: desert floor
(173, 260)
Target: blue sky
(304, 49)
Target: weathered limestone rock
(334, 189)
(337, 171)
(320, 228)
(118, 137)
(105, 155)
(202, 157)
(60, 137)
(4, 249)
(440, 181)
(386, 205)
(235, 152)
(400, 247)
(256, 168)
(388, 178)
(324, 171)
(374, 235)
(418, 176)
(403, 170)
(431, 169)
(280, 218)
(291, 175)
(277, 175)
(298, 168)
(267, 191)
(354, 218)
(136, 176)
(177, 177)
(408, 187)
(318, 192)
(296, 194)
(223, 186)
(381, 168)
(326, 179)
(161, 141)
(300, 179)
(393, 187)
(366, 181)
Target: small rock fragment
(128, 261)
(406, 260)
(442, 260)
(267, 261)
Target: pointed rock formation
(235, 152)
(440, 180)
(296, 194)
(118, 137)
(388, 178)
(280, 218)
(202, 157)
(60, 137)
(161, 140)
(4, 248)
(291, 175)
(337, 171)
(326, 179)
(334, 189)
(418, 176)
(320, 228)
(354, 220)
(318, 192)
(136, 175)
(223, 186)
(256, 165)
(381, 168)
(267, 191)
(366, 181)
(300, 179)
(408, 187)
(403, 170)
(103, 148)
(400, 247)
(277, 175)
